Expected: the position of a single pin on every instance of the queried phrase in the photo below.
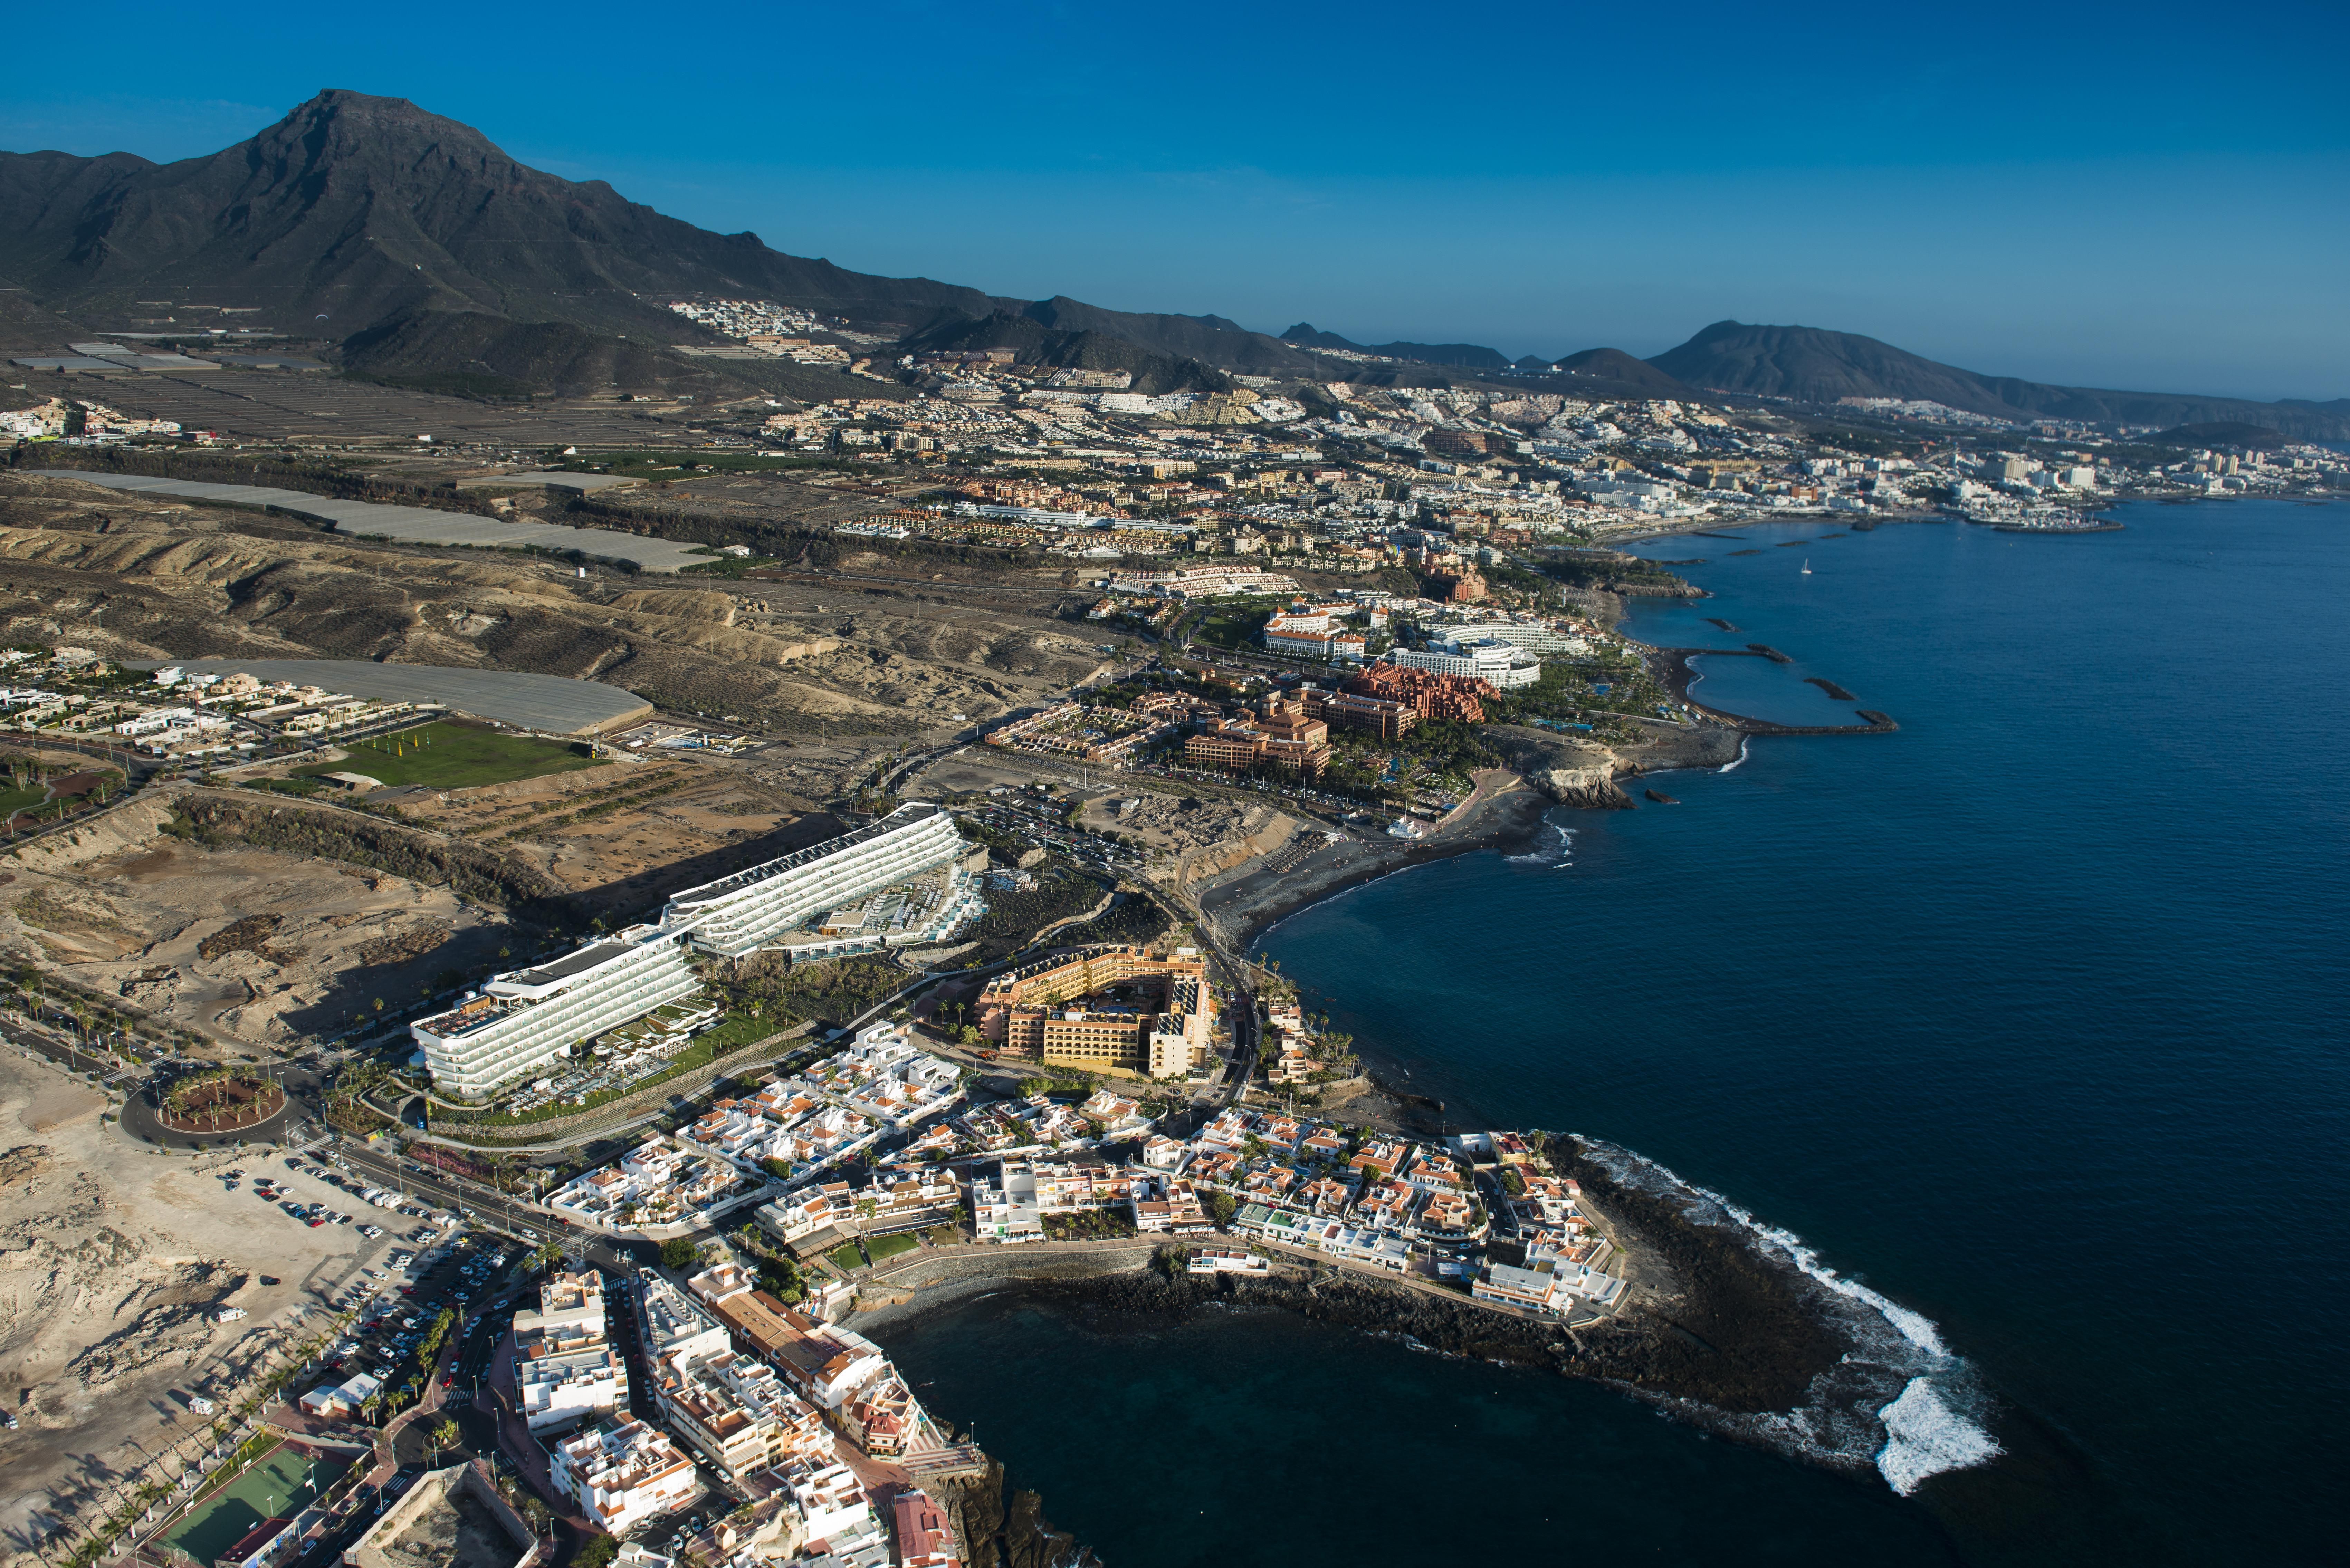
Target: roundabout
(207, 1110)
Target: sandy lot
(112, 1261)
(247, 947)
(663, 820)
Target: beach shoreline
(1506, 814)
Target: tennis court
(278, 1485)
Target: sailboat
(1808, 565)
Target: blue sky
(2152, 196)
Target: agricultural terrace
(446, 754)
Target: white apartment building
(757, 906)
(562, 1390)
(529, 1016)
(623, 1476)
(1534, 637)
(570, 1315)
(835, 1513)
(1488, 658)
(737, 1413)
(672, 1326)
(1007, 1209)
(567, 1370)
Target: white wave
(1924, 1433)
(1552, 855)
(1915, 1327)
(1924, 1437)
(1736, 761)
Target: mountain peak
(339, 125)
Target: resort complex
(898, 882)
(767, 904)
(1108, 1009)
(527, 1017)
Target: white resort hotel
(767, 904)
(898, 882)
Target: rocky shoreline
(1714, 1322)
(1720, 1329)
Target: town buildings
(1433, 695)
(661, 1181)
(1278, 732)
(567, 1367)
(622, 1474)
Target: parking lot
(409, 1288)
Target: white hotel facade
(757, 906)
(524, 1018)
(528, 1016)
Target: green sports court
(278, 1485)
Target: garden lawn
(883, 1247)
(443, 755)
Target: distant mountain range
(425, 252)
(1468, 354)
(1813, 366)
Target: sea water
(2024, 1021)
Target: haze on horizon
(2150, 198)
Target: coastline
(1728, 1326)
(1544, 772)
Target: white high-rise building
(759, 906)
(1487, 659)
(528, 1016)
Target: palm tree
(443, 1435)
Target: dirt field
(247, 947)
(629, 833)
(112, 1261)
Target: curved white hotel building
(524, 1018)
(758, 907)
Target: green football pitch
(453, 757)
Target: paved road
(446, 1191)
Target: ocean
(2026, 1018)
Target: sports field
(278, 1486)
(442, 755)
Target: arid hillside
(132, 577)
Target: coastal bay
(1957, 1007)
